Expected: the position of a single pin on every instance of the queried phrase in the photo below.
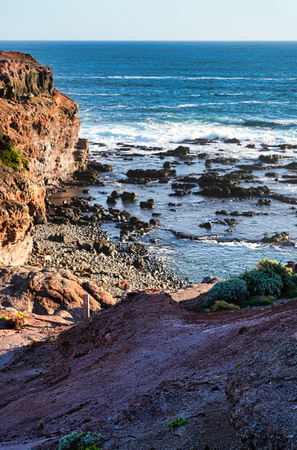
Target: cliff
(39, 146)
(42, 123)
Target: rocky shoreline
(128, 267)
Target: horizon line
(150, 40)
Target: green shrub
(9, 156)
(233, 290)
(261, 283)
(294, 279)
(291, 294)
(81, 441)
(220, 305)
(274, 267)
(263, 300)
(178, 422)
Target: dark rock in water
(199, 141)
(284, 198)
(203, 155)
(276, 239)
(224, 160)
(129, 196)
(250, 146)
(271, 174)
(180, 151)
(180, 192)
(235, 213)
(208, 163)
(223, 212)
(138, 249)
(263, 202)
(206, 225)
(115, 194)
(270, 159)
(222, 186)
(98, 167)
(104, 246)
(232, 141)
(155, 222)
(167, 165)
(149, 204)
(111, 200)
(262, 398)
(150, 174)
(287, 146)
(231, 222)
(135, 224)
(249, 214)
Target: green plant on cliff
(274, 267)
(233, 290)
(178, 422)
(9, 155)
(81, 441)
(260, 283)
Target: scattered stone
(129, 196)
(277, 239)
(263, 202)
(149, 204)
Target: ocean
(157, 94)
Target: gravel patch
(110, 272)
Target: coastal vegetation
(9, 156)
(81, 441)
(257, 287)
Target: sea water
(157, 94)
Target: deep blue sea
(160, 93)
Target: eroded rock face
(42, 122)
(42, 125)
(21, 74)
(262, 397)
(48, 291)
(21, 206)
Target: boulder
(48, 291)
(276, 239)
(129, 196)
(270, 159)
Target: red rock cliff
(42, 122)
(43, 126)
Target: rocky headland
(151, 368)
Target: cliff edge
(39, 146)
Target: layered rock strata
(39, 126)
(42, 122)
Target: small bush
(178, 422)
(9, 156)
(220, 305)
(274, 267)
(81, 441)
(294, 279)
(260, 283)
(291, 294)
(263, 300)
(233, 290)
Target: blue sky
(148, 20)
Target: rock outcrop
(39, 143)
(21, 206)
(262, 396)
(49, 291)
(42, 122)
